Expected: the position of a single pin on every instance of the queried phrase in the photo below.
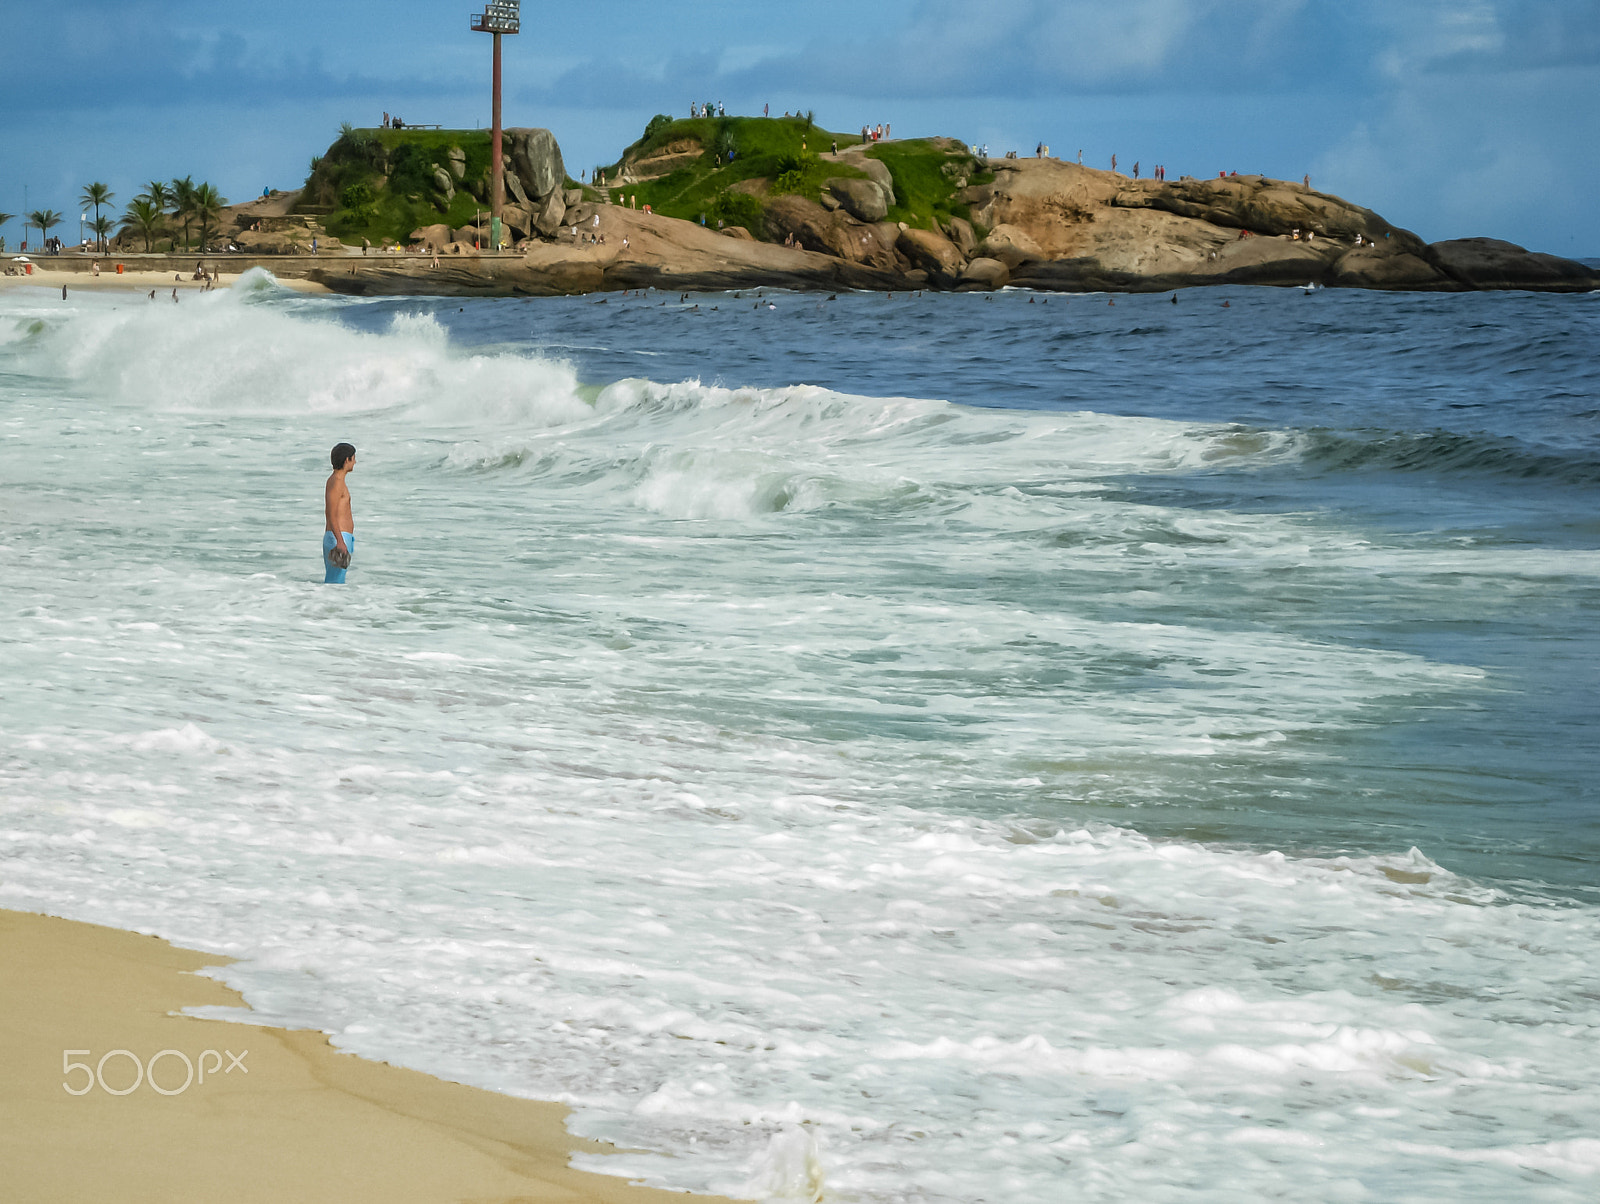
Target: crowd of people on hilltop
(875, 133)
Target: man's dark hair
(342, 453)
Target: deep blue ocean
(1461, 433)
(923, 749)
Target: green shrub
(411, 169)
(657, 124)
(737, 209)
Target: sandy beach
(280, 1116)
(139, 281)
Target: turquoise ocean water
(922, 749)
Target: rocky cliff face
(1087, 229)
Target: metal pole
(499, 196)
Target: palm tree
(96, 195)
(143, 218)
(183, 203)
(159, 195)
(45, 220)
(208, 206)
(102, 231)
(4, 218)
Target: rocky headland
(739, 203)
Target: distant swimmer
(338, 539)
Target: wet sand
(293, 1121)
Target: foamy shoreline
(274, 1115)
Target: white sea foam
(718, 760)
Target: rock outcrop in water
(1071, 227)
(922, 214)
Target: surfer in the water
(339, 540)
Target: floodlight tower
(498, 17)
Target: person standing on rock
(1113, 163)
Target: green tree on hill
(183, 203)
(96, 195)
(208, 206)
(144, 218)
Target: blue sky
(1450, 117)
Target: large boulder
(457, 159)
(435, 238)
(836, 234)
(536, 157)
(519, 219)
(1492, 264)
(1011, 245)
(985, 274)
(864, 200)
(960, 232)
(1264, 206)
(878, 172)
(515, 189)
(445, 183)
(933, 253)
(1373, 267)
(551, 212)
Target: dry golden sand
(135, 282)
(302, 1124)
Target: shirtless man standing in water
(339, 538)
